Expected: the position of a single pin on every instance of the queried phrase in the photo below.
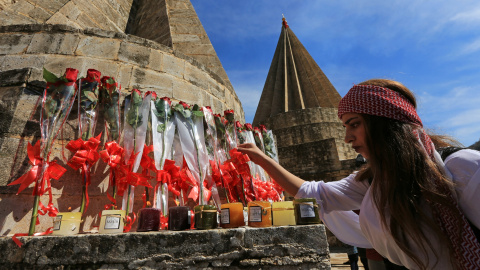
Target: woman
(409, 206)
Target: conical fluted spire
(294, 80)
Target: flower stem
(33, 221)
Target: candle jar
(67, 223)
(149, 219)
(306, 211)
(179, 218)
(112, 221)
(259, 214)
(232, 215)
(283, 213)
(205, 217)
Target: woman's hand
(253, 152)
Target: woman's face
(355, 132)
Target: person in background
(415, 208)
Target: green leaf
(50, 107)
(198, 113)
(186, 113)
(110, 81)
(49, 77)
(91, 96)
(161, 128)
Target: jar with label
(149, 219)
(112, 221)
(205, 217)
(283, 213)
(259, 214)
(306, 211)
(231, 215)
(179, 218)
(67, 223)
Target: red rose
(137, 91)
(256, 129)
(167, 100)
(93, 75)
(71, 74)
(238, 124)
(263, 128)
(206, 108)
(185, 105)
(153, 93)
(228, 112)
(248, 126)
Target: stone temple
(299, 104)
(161, 46)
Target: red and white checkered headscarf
(380, 101)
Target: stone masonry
(285, 248)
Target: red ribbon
(53, 170)
(163, 222)
(20, 244)
(85, 155)
(129, 222)
(112, 155)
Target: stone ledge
(286, 247)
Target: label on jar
(57, 221)
(112, 222)
(255, 214)
(307, 210)
(225, 216)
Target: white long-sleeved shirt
(337, 199)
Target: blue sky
(433, 47)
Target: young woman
(414, 208)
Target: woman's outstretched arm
(287, 180)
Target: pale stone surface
(53, 43)
(294, 247)
(98, 47)
(133, 54)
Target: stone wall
(102, 14)
(287, 247)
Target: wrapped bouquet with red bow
(57, 102)
(269, 143)
(189, 122)
(84, 149)
(134, 133)
(163, 131)
(113, 152)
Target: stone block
(187, 92)
(124, 76)
(149, 80)
(39, 14)
(70, 11)
(216, 89)
(61, 43)
(98, 47)
(156, 60)
(21, 61)
(22, 7)
(173, 65)
(106, 67)
(51, 6)
(12, 18)
(134, 54)
(59, 18)
(57, 64)
(110, 13)
(196, 76)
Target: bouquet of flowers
(189, 121)
(163, 131)
(57, 102)
(85, 148)
(269, 143)
(113, 153)
(213, 174)
(134, 132)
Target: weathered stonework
(292, 247)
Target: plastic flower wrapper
(229, 181)
(147, 163)
(257, 171)
(269, 143)
(88, 96)
(134, 133)
(113, 153)
(189, 122)
(57, 102)
(241, 134)
(213, 176)
(110, 99)
(163, 132)
(230, 129)
(257, 135)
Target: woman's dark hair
(403, 178)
